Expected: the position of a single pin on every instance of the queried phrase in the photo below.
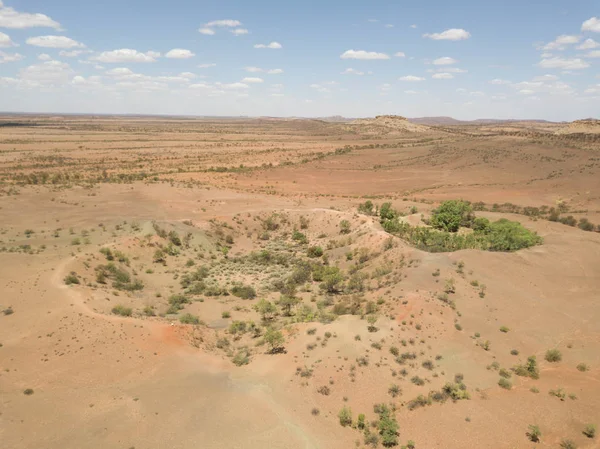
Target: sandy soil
(72, 186)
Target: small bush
(122, 310)
(28, 392)
(590, 431)
(553, 355)
(242, 357)
(344, 227)
(568, 444)
(314, 251)
(534, 434)
(188, 318)
(582, 367)
(244, 292)
(504, 329)
(505, 383)
(345, 416)
(71, 278)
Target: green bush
(590, 431)
(553, 355)
(344, 227)
(244, 291)
(451, 215)
(188, 318)
(534, 434)
(122, 310)
(530, 369)
(345, 416)
(314, 251)
(505, 383)
(71, 278)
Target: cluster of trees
(445, 222)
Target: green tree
(266, 309)
(451, 215)
(274, 339)
(344, 227)
(287, 303)
(387, 212)
(345, 416)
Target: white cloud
(399, 54)
(179, 53)
(44, 57)
(588, 44)
(206, 66)
(373, 20)
(10, 57)
(320, 88)
(443, 76)
(351, 71)
(413, 26)
(272, 45)
(224, 23)
(253, 69)
(206, 31)
(444, 61)
(545, 78)
(411, 92)
(527, 92)
(9, 18)
(592, 24)
(362, 54)
(277, 95)
(188, 75)
(389, 25)
(561, 41)
(199, 86)
(5, 41)
(125, 55)
(452, 70)
(453, 34)
(54, 42)
(565, 64)
(275, 71)
(593, 54)
(82, 82)
(72, 53)
(50, 73)
(498, 81)
(477, 93)
(252, 80)
(240, 31)
(547, 55)
(411, 78)
(233, 86)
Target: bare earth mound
(587, 126)
(388, 124)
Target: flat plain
(249, 283)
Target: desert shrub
(504, 329)
(505, 383)
(242, 357)
(394, 390)
(149, 311)
(456, 391)
(582, 367)
(331, 280)
(176, 303)
(534, 434)
(417, 381)
(530, 369)
(386, 212)
(568, 444)
(121, 278)
(388, 430)
(299, 237)
(270, 223)
(345, 416)
(394, 351)
(589, 431)
(366, 208)
(28, 392)
(314, 251)
(71, 278)
(419, 401)
(188, 318)
(324, 390)
(427, 364)
(451, 215)
(274, 339)
(122, 310)
(585, 225)
(553, 355)
(558, 393)
(244, 291)
(344, 227)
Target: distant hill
(446, 121)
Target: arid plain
(250, 283)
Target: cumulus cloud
(545, 78)
(563, 63)
(49, 73)
(5, 41)
(239, 31)
(233, 86)
(411, 78)
(453, 34)
(275, 71)
(498, 81)
(126, 55)
(179, 53)
(444, 61)
(224, 23)
(452, 70)
(10, 57)
(592, 24)
(443, 76)
(54, 42)
(44, 57)
(9, 18)
(399, 54)
(272, 45)
(206, 31)
(351, 71)
(593, 54)
(206, 66)
(588, 44)
(72, 53)
(252, 80)
(561, 42)
(362, 54)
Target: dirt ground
(240, 203)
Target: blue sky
(465, 59)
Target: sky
(465, 59)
